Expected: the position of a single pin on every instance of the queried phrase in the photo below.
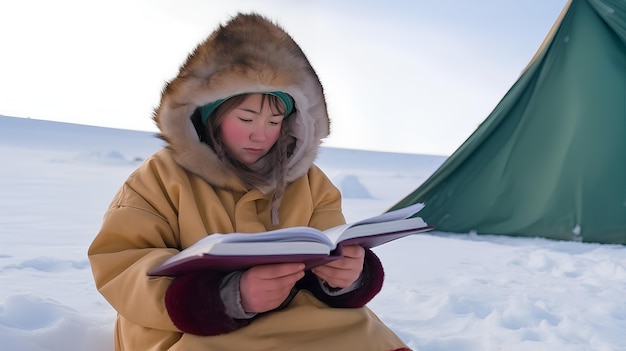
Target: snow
(443, 291)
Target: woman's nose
(258, 132)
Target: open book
(237, 251)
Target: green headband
(208, 109)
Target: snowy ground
(443, 291)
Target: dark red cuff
(373, 276)
(194, 304)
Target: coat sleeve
(194, 304)
(326, 207)
(139, 231)
(130, 242)
(127, 246)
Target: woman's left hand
(343, 272)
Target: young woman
(243, 121)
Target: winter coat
(184, 192)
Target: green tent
(550, 160)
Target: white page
(300, 233)
(393, 215)
(341, 233)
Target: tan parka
(184, 192)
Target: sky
(442, 291)
(399, 75)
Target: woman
(243, 121)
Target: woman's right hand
(264, 288)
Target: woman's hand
(265, 287)
(343, 272)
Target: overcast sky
(414, 76)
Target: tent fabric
(550, 159)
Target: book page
(300, 233)
(292, 234)
(345, 232)
(400, 213)
(251, 242)
(334, 234)
(270, 248)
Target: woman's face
(250, 130)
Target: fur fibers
(247, 54)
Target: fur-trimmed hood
(246, 55)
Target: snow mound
(112, 157)
(352, 188)
(51, 264)
(28, 322)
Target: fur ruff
(248, 54)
